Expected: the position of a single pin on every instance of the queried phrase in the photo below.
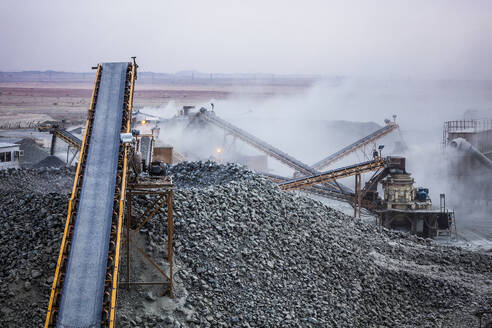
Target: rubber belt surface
(82, 295)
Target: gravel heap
(48, 162)
(202, 174)
(250, 255)
(42, 180)
(32, 215)
(33, 153)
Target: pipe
(467, 148)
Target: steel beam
(354, 146)
(332, 175)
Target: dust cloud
(314, 123)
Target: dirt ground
(39, 101)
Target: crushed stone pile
(202, 174)
(33, 204)
(48, 162)
(250, 255)
(33, 153)
(42, 180)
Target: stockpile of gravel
(42, 180)
(250, 255)
(49, 162)
(201, 174)
(33, 153)
(32, 228)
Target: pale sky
(393, 38)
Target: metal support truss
(162, 189)
(332, 175)
(357, 198)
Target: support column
(359, 193)
(53, 144)
(163, 190)
(357, 196)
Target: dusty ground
(39, 101)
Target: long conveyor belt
(388, 128)
(68, 138)
(269, 149)
(331, 175)
(315, 189)
(85, 284)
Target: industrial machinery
(50, 125)
(86, 279)
(57, 131)
(403, 207)
(468, 159)
(66, 136)
(409, 208)
(467, 148)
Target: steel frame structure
(67, 137)
(162, 188)
(322, 191)
(74, 152)
(357, 198)
(332, 175)
(74, 143)
(430, 218)
(319, 190)
(361, 143)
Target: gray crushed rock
(42, 180)
(33, 153)
(247, 255)
(202, 174)
(49, 162)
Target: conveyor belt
(269, 149)
(254, 141)
(68, 138)
(356, 145)
(332, 175)
(82, 296)
(316, 189)
(85, 283)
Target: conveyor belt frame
(71, 213)
(390, 127)
(331, 175)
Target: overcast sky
(411, 39)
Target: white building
(9, 156)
